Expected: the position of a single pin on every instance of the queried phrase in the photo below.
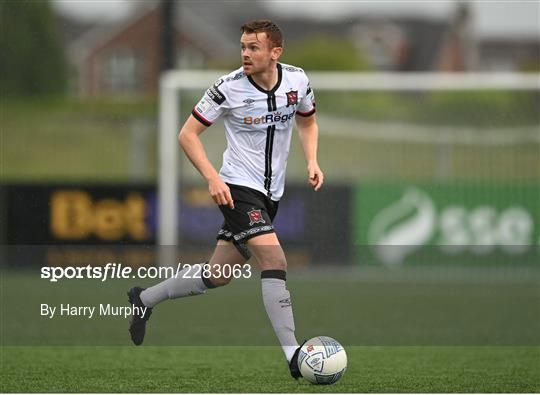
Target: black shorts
(252, 216)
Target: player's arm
(308, 130)
(191, 144)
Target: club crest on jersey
(255, 216)
(292, 98)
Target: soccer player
(259, 103)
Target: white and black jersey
(258, 124)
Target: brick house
(126, 58)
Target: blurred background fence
(418, 177)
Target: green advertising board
(456, 224)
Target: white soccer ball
(322, 360)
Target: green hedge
(471, 108)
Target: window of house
(123, 71)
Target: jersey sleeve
(306, 107)
(212, 105)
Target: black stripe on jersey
(272, 106)
(270, 131)
(269, 102)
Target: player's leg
(181, 285)
(250, 223)
(276, 297)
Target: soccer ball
(322, 360)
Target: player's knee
(274, 263)
(216, 278)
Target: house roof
(201, 22)
(98, 35)
(213, 25)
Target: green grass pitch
(473, 334)
(262, 369)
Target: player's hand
(315, 175)
(220, 192)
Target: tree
(32, 61)
(325, 53)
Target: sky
(491, 18)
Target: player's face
(257, 53)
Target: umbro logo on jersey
(269, 118)
(249, 102)
(285, 302)
(292, 98)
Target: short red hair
(273, 32)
